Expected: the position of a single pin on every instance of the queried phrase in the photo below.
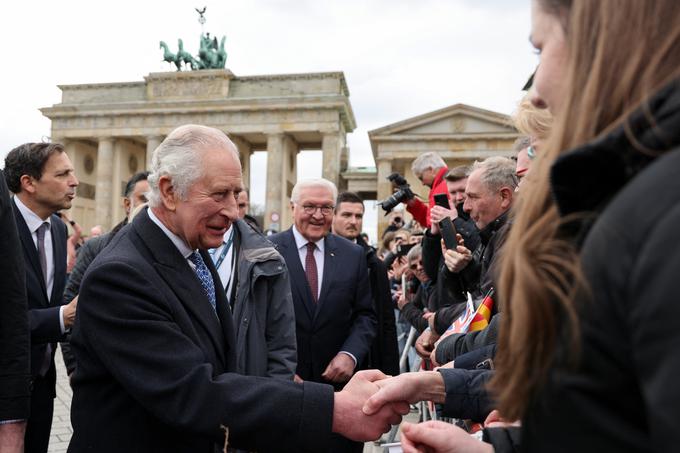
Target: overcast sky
(401, 58)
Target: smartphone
(448, 232)
(403, 249)
(442, 199)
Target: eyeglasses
(414, 266)
(311, 209)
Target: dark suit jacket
(155, 363)
(343, 319)
(43, 313)
(14, 332)
(384, 354)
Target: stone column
(275, 181)
(384, 191)
(244, 151)
(331, 146)
(291, 149)
(104, 190)
(152, 143)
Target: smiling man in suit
(154, 338)
(42, 178)
(335, 320)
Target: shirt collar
(33, 221)
(178, 241)
(301, 241)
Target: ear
(168, 195)
(126, 205)
(506, 197)
(27, 183)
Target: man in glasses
(335, 320)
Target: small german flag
(483, 313)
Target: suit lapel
(29, 248)
(222, 303)
(181, 279)
(298, 277)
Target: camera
(403, 193)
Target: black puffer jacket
(623, 395)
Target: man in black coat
(41, 175)
(135, 195)
(14, 332)
(347, 222)
(154, 338)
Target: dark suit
(43, 317)
(14, 332)
(155, 362)
(343, 319)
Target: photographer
(430, 169)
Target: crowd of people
(538, 289)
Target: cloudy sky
(401, 58)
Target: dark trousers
(39, 424)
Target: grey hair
(427, 160)
(312, 182)
(179, 157)
(415, 252)
(522, 142)
(497, 172)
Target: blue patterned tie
(204, 276)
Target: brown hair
(618, 56)
(457, 173)
(28, 159)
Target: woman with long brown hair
(589, 349)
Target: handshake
(372, 402)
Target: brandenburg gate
(110, 130)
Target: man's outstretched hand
(348, 418)
(407, 388)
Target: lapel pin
(332, 254)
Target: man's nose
(74, 181)
(230, 207)
(466, 206)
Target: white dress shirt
(33, 221)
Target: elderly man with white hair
(155, 340)
(335, 319)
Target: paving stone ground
(61, 423)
